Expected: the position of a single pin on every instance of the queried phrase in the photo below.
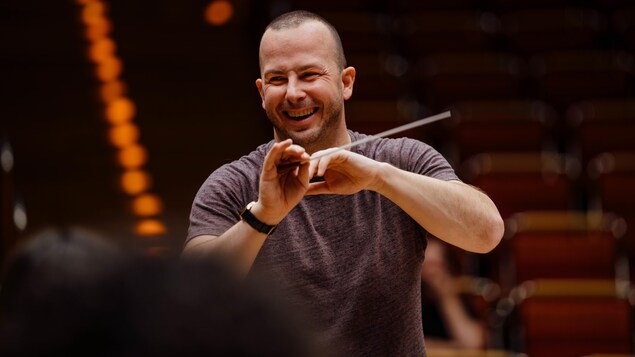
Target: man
(348, 247)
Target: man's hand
(279, 192)
(344, 173)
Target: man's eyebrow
(276, 71)
(311, 66)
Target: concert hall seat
(522, 181)
(562, 245)
(409, 6)
(500, 125)
(333, 5)
(623, 24)
(361, 31)
(569, 318)
(565, 77)
(614, 174)
(611, 189)
(426, 32)
(450, 77)
(610, 4)
(375, 116)
(530, 31)
(601, 125)
(507, 5)
(379, 76)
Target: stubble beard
(322, 137)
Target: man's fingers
(292, 157)
(303, 172)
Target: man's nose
(295, 92)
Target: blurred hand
(436, 273)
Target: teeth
(300, 113)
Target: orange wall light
(135, 182)
(112, 90)
(146, 205)
(123, 135)
(219, 12)
(133, 157)
(150, 227)
(120, 111)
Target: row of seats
(520, 182)
(441, 79)
(565, 291)
(402, 6)
(409, 5)
(526, 31)
(555, 317)
(567, 318)
(586, 129)
(549, 180)
(440, 58)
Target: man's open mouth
(301, 114)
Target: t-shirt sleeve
(219, 201)
(415, 156)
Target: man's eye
(309, 75)
(277, 80)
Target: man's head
(304, 81)
(292, 20)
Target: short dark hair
(294, 19)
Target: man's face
(302, 87)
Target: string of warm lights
(119, 112)
(219, 12)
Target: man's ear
(348, 79)
(261, 91)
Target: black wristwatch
(249, 217)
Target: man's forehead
(308, 40)
(308, 28)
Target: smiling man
(348, 249)
(303, 85)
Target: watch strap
(254, 222)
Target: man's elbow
(492, 233)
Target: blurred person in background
(450, 320)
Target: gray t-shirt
(351, 261)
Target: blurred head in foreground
(70, 292)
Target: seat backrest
(565, 77)
(601, 125)
(561, 245)
(614, 174)
(501, 125)
(537, 30)
(450, 77)
(571, 317)
(429, 31)
(521, 181)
